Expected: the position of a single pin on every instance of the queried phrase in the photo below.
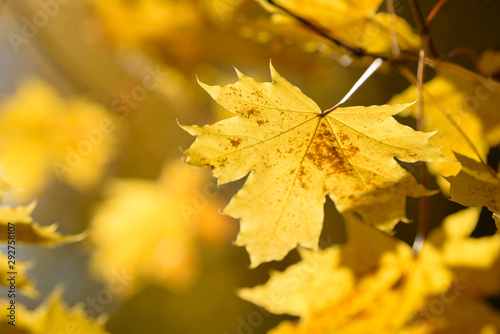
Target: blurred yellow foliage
(136, 23)
(355, 23)
(17, 227)
(374, 283)
(477, 184)
(460, 105)
(23, 282)
(46, 138)
(18, 221)
(443, 101)
(164, 238)
(150, 230)
(53, 316)
(489, 63)
(28, 231)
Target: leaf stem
(368, 73)
(467, 51)
(423, 209)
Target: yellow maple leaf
(355, 23)
(297, 155)
(22, 281)
(150, 229)
(17, 225)
(53, 316)
(44, 137)
(476, 185)
(394, 291)
(19, 219)
(461, 106)
(474, 261)
(444, 99)
(333, 293)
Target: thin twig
(434, 11)
(420, 86)
(394, 34)
(403, 57)
(356, 51)
(423, 30)
(423, 211)
(467, 51)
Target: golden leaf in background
(151, 230)
(46, 138)
(461, 106)
(28, 231)
(355, 23)
(53, 316)
(16, 228)
(146, 21)
(392, 291)
(476, 185)
(22, 281)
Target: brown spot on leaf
(235, 142)
(350, 150)
(301, 177)
(258, 95)
(222, 162)
(412, 155)
(325, 153)
(253, 112)
(342, 137)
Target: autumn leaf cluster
(95, 146)
(295, 154)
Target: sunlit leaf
(297, 156)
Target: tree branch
(423, 30)
(356, 51)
